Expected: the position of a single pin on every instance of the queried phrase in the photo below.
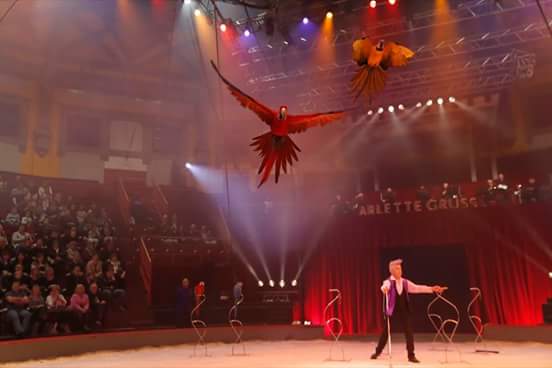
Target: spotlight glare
(260, 283)
(294, 283)
(440, 100)
(550, 275)
(282, 283)
(391, 108)
(392, 2)
(188, 165)
(247, 33)
(429, 102)
(329, 15)
(370, 113)
(305, 20)
(307, 323)
(380, 110)
(187, 2)
(271, 283)
(419, 104)
(223, 27)
(452, 99)
(197, 12)
(373, 4)
(401, 107)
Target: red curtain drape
(509, 255)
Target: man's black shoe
(412, 359)
(374, 356)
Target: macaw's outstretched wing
(361, 50)
(300, 123)
(263, 112)
(395, 55)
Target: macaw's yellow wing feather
(361, 50)
(368, 81)
(395, 54)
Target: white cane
(388, 327)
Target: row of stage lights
(329, 15)
(401, 107)
(272, 283)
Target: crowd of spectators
(59, 266)
(169, 227)
(494, 191)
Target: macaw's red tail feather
(273, 149)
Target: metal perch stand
(477, 323)
(440, 324)
(200, 328)
(237, 326)
(334, 320)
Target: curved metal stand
(477, 323)
(237, 327)
(200, 328)
(440, 324)
(334, 320)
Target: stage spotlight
(187, 2)
(294, 283)
(392, 2)
(307, 323)
(370, 113)
(223, 27)
(401, 107)
(440, 100)
(247, 33)
(188, 165)
(550, 275)
(373, 4)
(305, 20)
(260, 283)
(429, 102)
(391, 109)
(452, 99)
(282, 284)
(419, 104)
(380, 110)
(271, 283)
(329, 15)
(197, 12)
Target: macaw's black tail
(273, 149)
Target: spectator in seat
(113, 289)
(97, 305)
(388, 196)
(360, 204)
(37, 307)
(13, 218)
(56, 305)
(27, 219)
(94, 266)
(35, 277)
(18, 316)
(115, 264)
(184, 300)
(80, 307)
(21, 277)
(19, 237)
(73, 254)
(75, 278)
(50, 278)
(3, 235)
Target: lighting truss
(481, 75)
(392, 28)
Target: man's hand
(438, 289)
(384, 289)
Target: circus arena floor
(313, 354)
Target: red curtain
(509, 251)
